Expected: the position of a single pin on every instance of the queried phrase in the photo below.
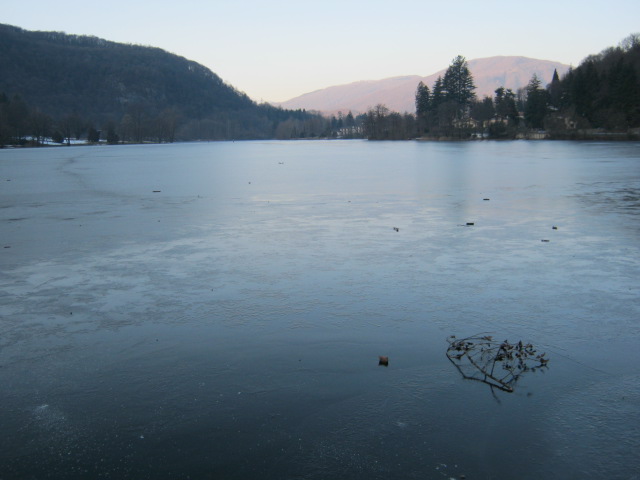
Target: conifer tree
(458, 83)
(423, 100)
(423, 106)
(555, 90)
(438, 95)
(536, 106)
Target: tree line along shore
(599, 99)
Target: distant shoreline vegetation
(600, 100)
(66, 89)
(24, 126)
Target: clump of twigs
(498, 364)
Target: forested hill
(604, 91)
(107, 82)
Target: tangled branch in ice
(498, 364)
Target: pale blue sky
(275, 50)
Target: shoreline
(630, 136)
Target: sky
(276, 50)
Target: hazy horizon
(277, 51)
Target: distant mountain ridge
(398, 93)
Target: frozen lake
(217, 310)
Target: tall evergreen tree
(439, 94)
(423, 100)
(536, 106)
(458, 83)
(423, 106)
(555, 90)
(349, 121)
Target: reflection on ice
(126, 313)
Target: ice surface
(273, 269)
